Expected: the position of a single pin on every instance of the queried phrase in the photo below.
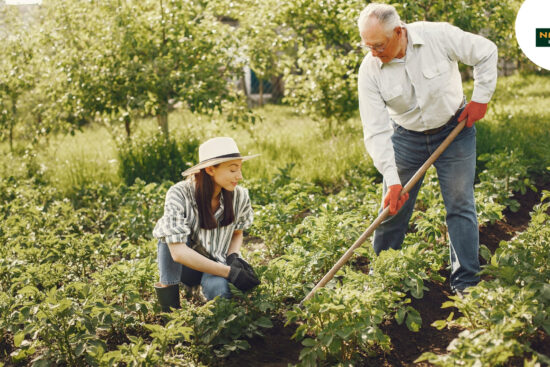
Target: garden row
(341, 323)
(76, 275)
(502, 315)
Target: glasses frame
(380, 49)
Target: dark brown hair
(204, 190)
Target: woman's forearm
(182, 254)
(236, 242)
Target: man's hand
(474, 112)
(393, 200)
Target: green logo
(543, 37)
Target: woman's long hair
(204, 190)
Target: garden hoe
(384, 214)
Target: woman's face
(227, 174)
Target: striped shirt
(180, 220)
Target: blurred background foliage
(119, 70)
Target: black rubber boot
(169, 297)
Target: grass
(517, 119)
(281, 137)
(72, 162)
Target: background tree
(116, 61)
(323, 50)
(321, 71)
(16, 74)
(261, 41)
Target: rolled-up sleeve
(245, 214)
(376, 127)
(173, 227)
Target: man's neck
(403, 41)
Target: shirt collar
(413, 37)
(219, 212)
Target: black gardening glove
(241, 277)
(235, 257)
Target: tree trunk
(13, 117)
(127, 127)
(162, 120)
(11, 137)
(261, 101)
(277, 90)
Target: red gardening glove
(393, 200)
(474, 112)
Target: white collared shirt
(423, 90)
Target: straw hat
(215, 151)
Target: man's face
(375, 37)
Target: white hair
(384, 13)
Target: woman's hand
(242, 276)
(231, 258)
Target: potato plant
(499, 315)
(77, 273)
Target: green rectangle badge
(543, 37)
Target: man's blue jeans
(172, 272)
(456, 172)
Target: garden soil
(276, 349)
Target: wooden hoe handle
(414, 179)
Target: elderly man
(410, 99)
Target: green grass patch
(517, 120)
(74, 161)
(282, 137)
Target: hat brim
(212, 162)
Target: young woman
(201, 231)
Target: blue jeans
(172, 272)
(456, 171)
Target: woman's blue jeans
(456, 171)
(172, 272)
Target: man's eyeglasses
(379, 48)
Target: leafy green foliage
(499, 315)
(17, 74)
(505, 174)
(155, 159)
(92, 258)
(79, 62)
(76, 275)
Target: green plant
(504, 175)
(155, 159)
(222, 325)
(500, 314)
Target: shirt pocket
(394, 99)
(432, 71)
(436, 79)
